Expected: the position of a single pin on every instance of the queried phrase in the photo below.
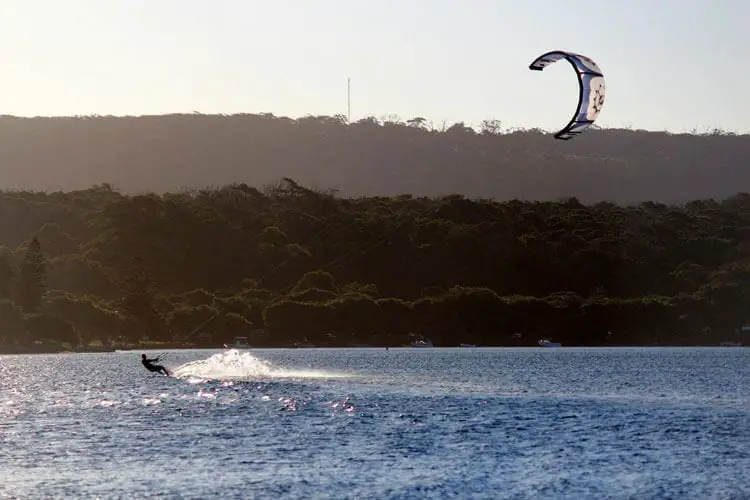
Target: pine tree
(31, 285)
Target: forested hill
(100, 265)
(369, 157)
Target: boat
(238, 343)
(421, 343)
(547, 343)
(297, 344)
(467, 345)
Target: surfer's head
(143, 356)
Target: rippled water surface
(371, 423)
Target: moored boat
(238, 343)
(547, 343)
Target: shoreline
(14, 350)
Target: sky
(676, 65)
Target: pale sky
(669, 64)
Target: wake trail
(236, 365)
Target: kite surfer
(150, 366)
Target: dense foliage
(373, 156)
(288, 263)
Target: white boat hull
(547, 343)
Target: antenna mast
(349, 100)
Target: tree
(138, 302)
(317, 279)
(90, 320)
(7, 275)
(491, 127)
(43, 327)
(184, 320)
(12, 329)
(31, 285)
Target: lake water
(370, 423)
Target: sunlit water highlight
(242, 366)
(370, 423)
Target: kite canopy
(591, 90)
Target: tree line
(374, 156)
(285, 263)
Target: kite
(591, 90)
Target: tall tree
(7, 275)
(31, 285)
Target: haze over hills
(368, 157)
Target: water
(369, 423)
